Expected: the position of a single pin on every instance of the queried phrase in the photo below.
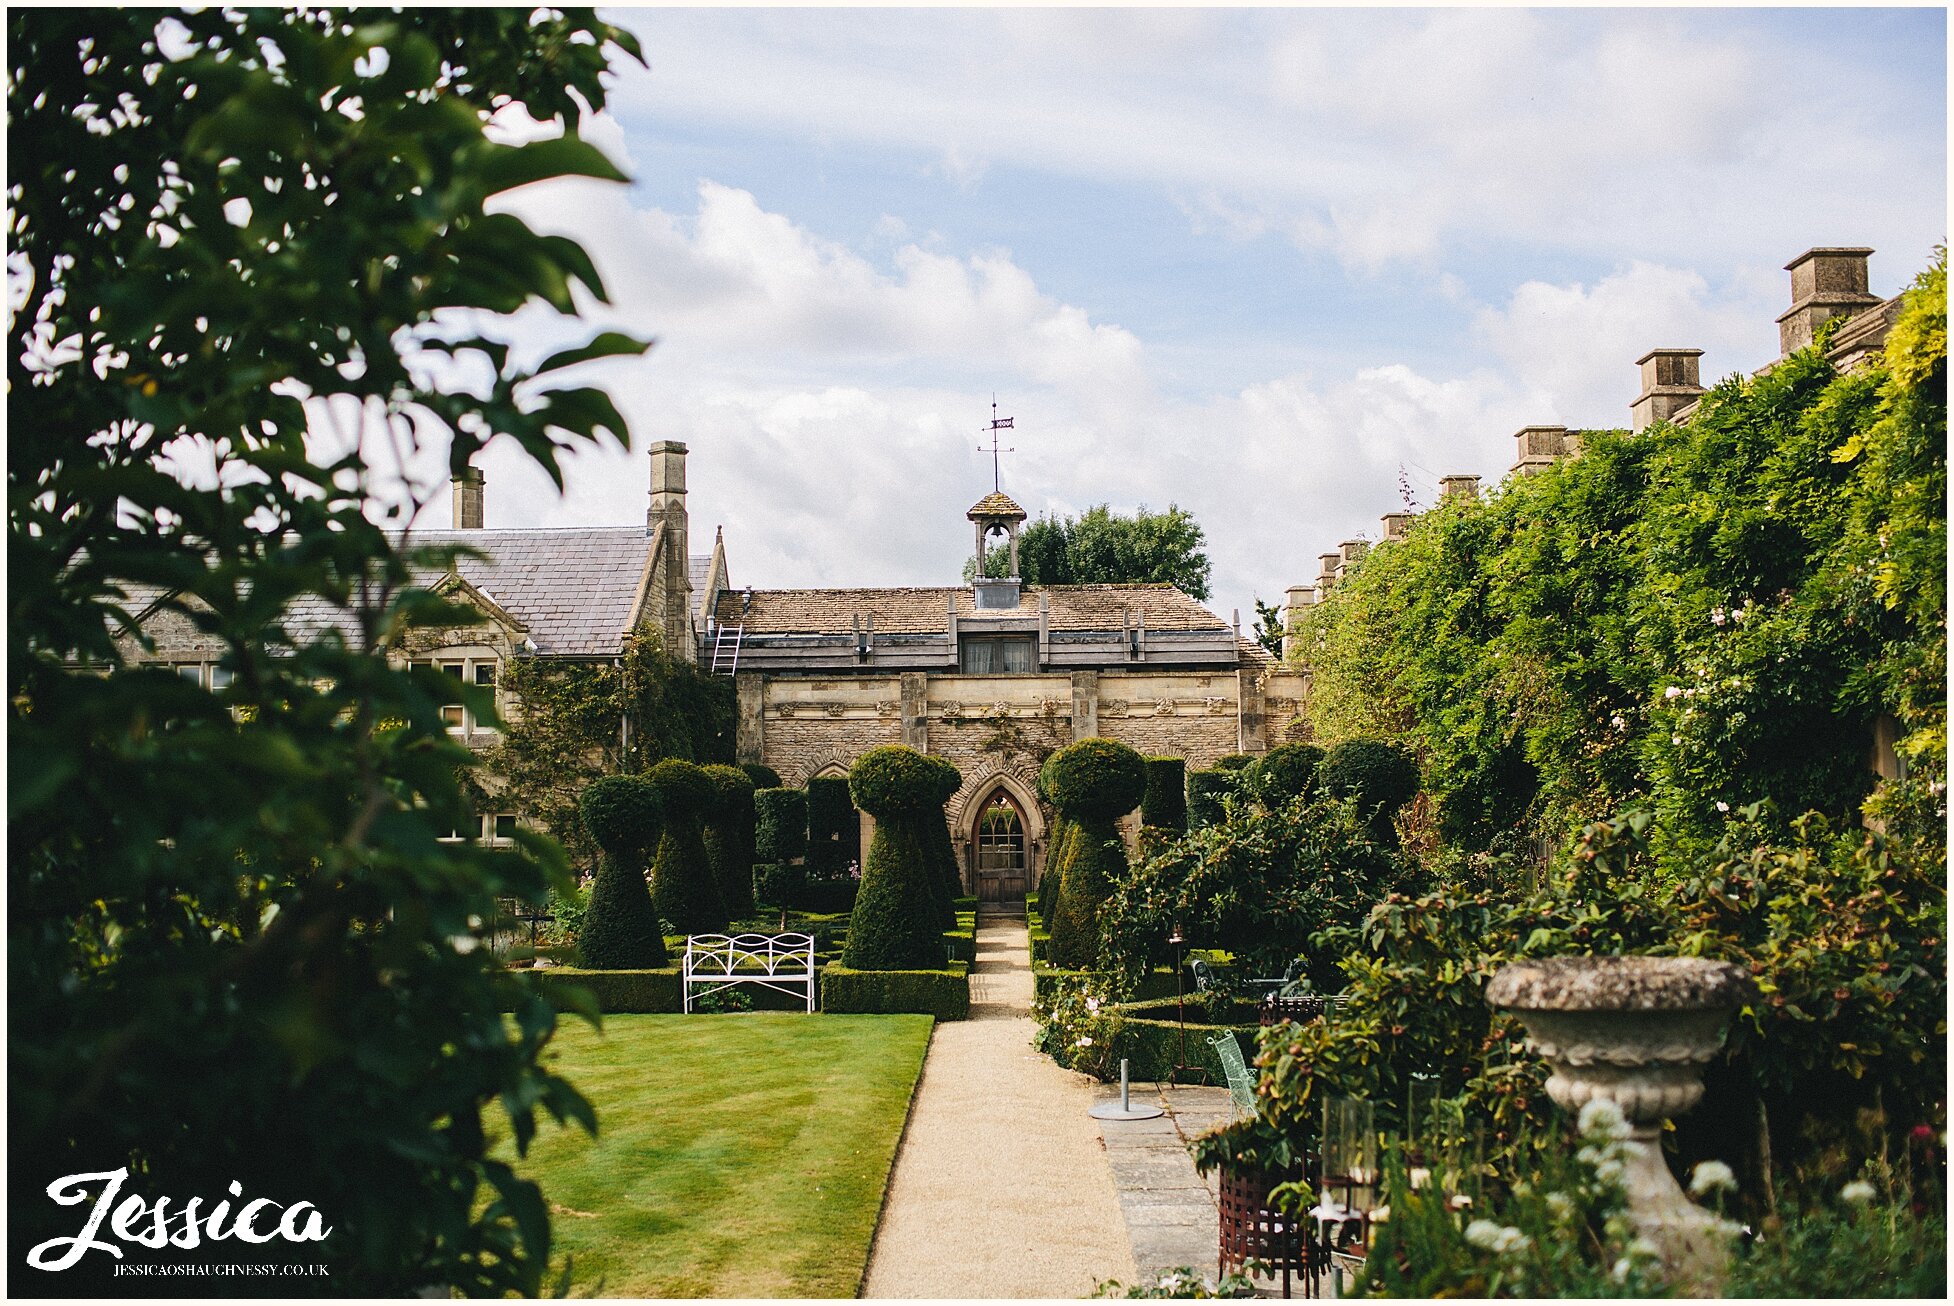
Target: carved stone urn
(1636, 1031)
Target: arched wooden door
(1003, 864)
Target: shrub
(763, 777)
(833, 829)
(826, 896)
(1164, 804)
(729, 837)
(619, 992)
(1287, 771)
(780, 825)
(946, 878)
(778, 884)
(1093, 782)
(1235, 762)
(1205, 790)
(895, 924)
(943, 993)
(1380, 777)
(620, 929)
(682, 884)
(1095, 779)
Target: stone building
(994, 676)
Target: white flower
(1672, 692)
(1857, 1193)
(1716, 616)
(1561, 1205)
(1712, 1177)
(1723, 806)
(1083, 1043)
(1483, 1233)
(1617, 722)
(1500, 1239)
(1603, 1116)
(1738, 614)
(1620, 1272)
(1092, 1005)
(1610, 1171)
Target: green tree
(1099, 547)
(239, 948)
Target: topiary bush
(1381, 778)
(622, 814)
(946, 877)
(778, 884)
(1093, 783)
(1287, 771)
(895, 924)
(683, 887)
(1205, 790)
(1235, 762)
(728, 833)
(779, 825)
(833, 830)
(762, 776)
(1164, 805)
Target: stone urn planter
(1636, 1031)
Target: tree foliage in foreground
(243, 244)
(1100, 547)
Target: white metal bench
(781, 962)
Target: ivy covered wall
(1696, 617)
(571, 722)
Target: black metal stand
(1181, 1068)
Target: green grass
(737, 1155)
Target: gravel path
(1001, 1187)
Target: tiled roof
(996, 504)
(925, 611)
(573, 589)
(1255, 653)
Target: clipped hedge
(1095, 779)
(762, 776)
(1150, 1039)
(728, 833)
(1205, 790)
(943, 993)
(1156, 984)
(779, 825)
(833, 830)
(1288, 771)
(825, 896)
(779, 884)
(897, 924)
(946, 876)
(620, 992)
(1235, 762)
(1093, 783)
(620, 927)
(1381, 777)
(1164, 804)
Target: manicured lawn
(737, 1155)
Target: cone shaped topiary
(1287, 771)
(682, 884)
(729, 837)
(896, 924)
(947, 878)
(1093, 783)
(620, 928)
(1164, 805)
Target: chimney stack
(1395, 524)
(1327, 576)
(467, 488)
(1298, 598)
(1671, 382)
(1825, 283)
(1458, 486)
(667, 516)
(1539, 447)
(1352, 551)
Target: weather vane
(997, 424)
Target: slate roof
(924, 611)
(996, 504)
(572, 588)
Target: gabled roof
(926, 610)
(996, 505)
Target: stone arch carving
(833, 762)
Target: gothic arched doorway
(1003, 852)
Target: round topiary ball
(1381, 777)
(895, 778)
(682, 787)
(948, 778)
(730, 788)
(1096, 779)
(1288, 770)
(1234, 762)
(623, 814)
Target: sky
(1274, 266)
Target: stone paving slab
(1172, 1213)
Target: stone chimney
(1300, 599)
(1825, 283)
(1352, 551)
(1327, 576)
(1395, 524)
(1538, 448)
(667, 518)
(1670, 383)
(467, 495)
(1458, 486)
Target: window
(504, 825)
(998, 655)
(465, 671)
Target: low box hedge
(962, 941)
(620, 992)
(1158, 983)
(944, 993)
(821, 896)
(1152, 1045)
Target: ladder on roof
(725, 635)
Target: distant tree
(1103, 548)
(1269, 624)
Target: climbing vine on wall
(572, 722)
(1697, 617)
